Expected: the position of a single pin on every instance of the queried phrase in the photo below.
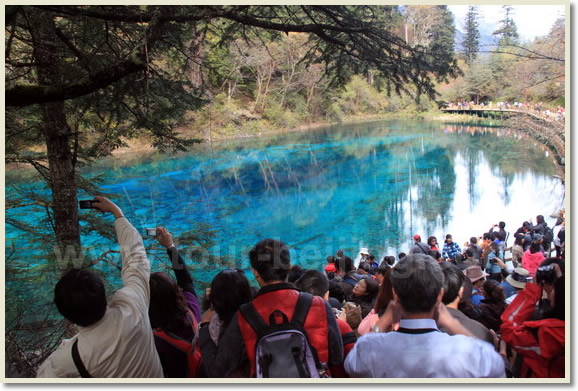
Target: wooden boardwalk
(548, 131)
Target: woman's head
(534, 247)
(385, 294)
(493, 291)
(367, 286)
(431, 241)
(229, 290)
(168, 308)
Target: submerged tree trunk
(57, 134)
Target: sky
(532, 20)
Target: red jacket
(531, 262)
(540, 342)
(285, 300)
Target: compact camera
(151, 232)
(545, 275)
(86, 204)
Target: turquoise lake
(371, 184)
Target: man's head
(476, 275)
(502, 225)
(449, 239)
(344, 265)
(363, 268)
(314, 282)
(453, 282)
(416, 238)
(469, 253)
(270, 260)
(540, 219)
(417, 283)
(80, 297)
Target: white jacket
(121, 344)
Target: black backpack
(548, 235)
(283, 349)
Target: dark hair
(344, 264)
(495, 247)
(469, 252)
(366, 267)
(336, 291)
(385, 294)
(540, 219)
(431, 239)
(473, 240)
(383, 269)
(168, 307)
(534, 247)
(519, 239)
(331, 259)
(229, 290)
(487, 236)
(388, 260)
(372, 286)
(314, 282)
(417, 281)
(339, 254)
(371, 257)
(271, 259)
(560, 262)
(494, 291)
(558, 307)
(502, 225)
(453, 281)
(295, 272)
(400, 256)
(448, 236)
(80, 297)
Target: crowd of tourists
(558, 113)
(439, 311)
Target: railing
(550, 131)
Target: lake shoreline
(139, 146)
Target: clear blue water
(347, 186)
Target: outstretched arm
(184, 279)
(135, 265)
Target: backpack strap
(253, 318)
(302, 308)
(78, 362)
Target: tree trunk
(58, 139)
(271, 69)
(309, 97)
(195, 58)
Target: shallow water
(349, 186)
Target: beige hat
(474, 273)
(518, 278)
(364, 250)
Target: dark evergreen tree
(507, 32)
(443, 34)
(471, 42)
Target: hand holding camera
(163, 236)
(103, 204)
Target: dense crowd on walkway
(441, 310)
(558, 113)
